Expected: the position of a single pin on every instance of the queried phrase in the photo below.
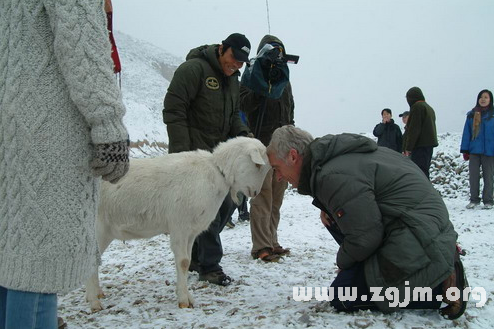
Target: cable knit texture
(58, 97)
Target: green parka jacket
(392, 217)
(278, 112)
(421, 124)
(201, 105)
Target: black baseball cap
(240, 46)
(405, 114)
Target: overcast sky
(356, 56)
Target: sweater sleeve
(83, 52)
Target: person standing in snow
(477, 145)
(404, 119)
(264, 116)
(61, 126)
(201, 109)
(392, 226)
(388, 133)
(421, 137)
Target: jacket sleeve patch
(212, 83)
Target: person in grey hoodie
(391, 225)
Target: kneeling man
(392, 226)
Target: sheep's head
(244, 163)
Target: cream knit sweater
(58, 97)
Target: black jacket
(389, 135)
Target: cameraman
(265, 207)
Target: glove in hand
(111, 161)
(466, 156)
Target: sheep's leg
(179, 245)
(93, 289)
(190, 244)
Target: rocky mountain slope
(146, 74)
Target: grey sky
(356, 56)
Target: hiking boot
(457, 279)
(194, 266)
(230, 224)
(472, 205)
(61, 323)
(488, 205)
(281, 251)
(267, 255)
(216, 277)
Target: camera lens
(275, 74)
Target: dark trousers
(207, 250)
(422, 157)
(242, 207)
(487, 164)
(354, 277)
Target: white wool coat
(58, 97)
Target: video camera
(273, 59)
(267, 74)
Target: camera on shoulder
(267, 74)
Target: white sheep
(178, 194)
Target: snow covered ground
(139, 277)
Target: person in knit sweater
(61, 127)
(477, 145)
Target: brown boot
(281, 251)
(61, 323)
(267, 255)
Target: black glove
(111, 161)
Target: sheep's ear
(256, 157)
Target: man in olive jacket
(201, 110)
(392, 225)
(265, 207)
(421, 136)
